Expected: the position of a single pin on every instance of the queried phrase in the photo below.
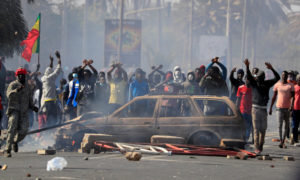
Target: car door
(177, 117)
(135, 121)
(220, 116)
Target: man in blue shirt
(139, 86)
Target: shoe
(15, 147)
(280, 145)
(7, 154)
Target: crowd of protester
(87, 90)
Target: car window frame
(115, 114)
(227, 102)
(189, 100)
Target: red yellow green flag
(32, 42)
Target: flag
(32, 42)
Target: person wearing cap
(49, 105)
(20, 100)
(260, 97)
(295, 107)
(283, 92)
(236, 82)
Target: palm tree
(12, 27)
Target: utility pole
(121, 31)
(64, 29)
(228, 34)
(191, 35)
(244, 29)
(158, 3)
(84, 31)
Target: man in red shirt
(296, 110)
(244, 103)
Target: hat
(20, 71)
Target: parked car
(200, 120)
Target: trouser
(248, 122)
(51, 113)
(283, 115)
(18, 124)
(295, 124)
(260, 118)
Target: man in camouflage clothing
(19, 97)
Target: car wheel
(204, 138)
(78, 136)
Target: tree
(13, 28)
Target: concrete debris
(265, 158)
(4, 167)
(167, 139)
(272, 166)
(133, 156)
(38, 178)
(89, 139)
(289, 158)
(86, 158)
(232, 157)
(28, 175)
(275, 140)
(46, 152)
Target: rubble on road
(289, 158)
(133, 156)
(4, 167)
(89, 139)
(173, 149)
(46, 152)
(265, 158)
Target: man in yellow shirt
(118, 86)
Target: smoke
(43, 140)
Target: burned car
(200, 120)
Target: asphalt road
(115, 166)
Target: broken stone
(38, 178)
(167, 139)
(289, 158)
(85, 158)
(272, 166)
(275, 140)
(133, 156)
(46, 152)
(231, 157)
(267, 158)
(28, 175)
(4, 167)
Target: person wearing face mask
(102, 93)
(178, 76)
(260, 97)
(190, 86)
(19, 102)
(139, 86)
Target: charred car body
(200, 120)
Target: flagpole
(39, 38)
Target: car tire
(205, 138)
